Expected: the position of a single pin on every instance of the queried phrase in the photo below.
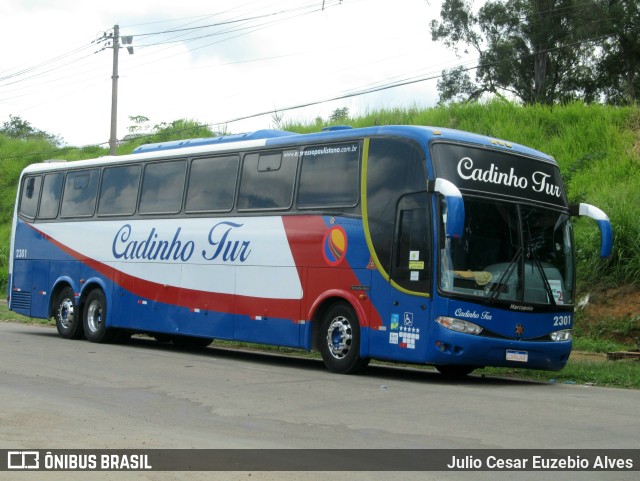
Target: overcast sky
(213, 62)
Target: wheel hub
(65, 313)
(339, 337)
(94, 316)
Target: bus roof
(222, 139)
(280, 137)
(277, 138)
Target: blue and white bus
(400, 243)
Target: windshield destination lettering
(540, 181)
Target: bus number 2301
(21, 253)
(561, 320)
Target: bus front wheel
(66, 315)
(95, 316)
(340, 340)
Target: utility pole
(113, 138)
(115, 45)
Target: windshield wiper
(545, 280)
(499, 288)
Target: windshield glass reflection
(511, 253)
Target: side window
(51, 194)
(395, 168)
(267, 180)
(80, 190)
(212, 184)
(412, 253)
(163, 187)
(329, 176)
(30, 195)
(119, 190)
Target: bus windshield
(510, 252)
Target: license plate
(518, 356)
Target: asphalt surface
(56, 394)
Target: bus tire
(94, 317)
(65, 312)
(340, 340)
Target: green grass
(599, 345)
(7, 316)
(620, 374)
(622, 331)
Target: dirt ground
(620, 304)
(617, 303)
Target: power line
(218, 24)
(26, 87)
(37, 69)
(19, 76)
(315, 5)
(199, 17)
(43, 63)
(365, 91)
(389, 83)
(244, 30)
(380, 88)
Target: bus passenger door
(407, 301)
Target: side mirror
(606, 232)
(454, 217)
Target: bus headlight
(459, 325)
(564, 335)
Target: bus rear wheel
(66, 315)
(340, 340)
(94, 318)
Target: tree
(456, 85)
(18, 128)
(140, 124)
(276, 119)
(339, 115)
(619, 66)
(534, 50)
(180, 129)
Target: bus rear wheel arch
(94, 317)
(339, 339)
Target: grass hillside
(597, 147)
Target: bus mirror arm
(455, 206)
(606, 232)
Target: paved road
(56, 394)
